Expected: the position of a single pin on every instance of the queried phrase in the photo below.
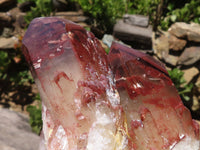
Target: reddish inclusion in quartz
(59, 76)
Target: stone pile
(180, 47)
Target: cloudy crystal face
(121, 101)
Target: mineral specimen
(93, 101)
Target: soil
(18, 98)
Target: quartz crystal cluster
(93, 101)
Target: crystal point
(121, 101)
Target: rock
(13, 13)
(5, 17)
(138, 20)
(189, 56)
(176, 43)
(3, 146)
(161, 45)
(198, 81)
(21, 21)
(7, 32)
(72, 16)
(127, 32)
(8, 19)
(5, 20)
(184, 30)
(171, 59)
(108, 39)
(7, 43)
(16, 132)
(190, 73)
(197, 84)
(196, 104)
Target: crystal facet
(93, 101)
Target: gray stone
(7, 32)
(170, 59)
(196, 104)
(15, 132)
(197, 84)
(138, 20)
(108, 39)
(13, 13)
(7, 43)
(176, 43)
(5, 147)
(127, 32)
(189, 56)
(5, 17)
(184, 30)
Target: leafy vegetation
(162, 13)
(188, 12)
(144, 7)
(103, 12)
(13, 68)
(183, 89)
(43, 8)
(35, 113)
(4, 63)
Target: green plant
(4, 64)
(103, 12)
(13, 67)
(177, 78)
(107, 50)
(14, 73)
(22, 1)
(144, 7)
(188, 12)
(43, 8)
(35, 113)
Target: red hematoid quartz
(93, 101)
